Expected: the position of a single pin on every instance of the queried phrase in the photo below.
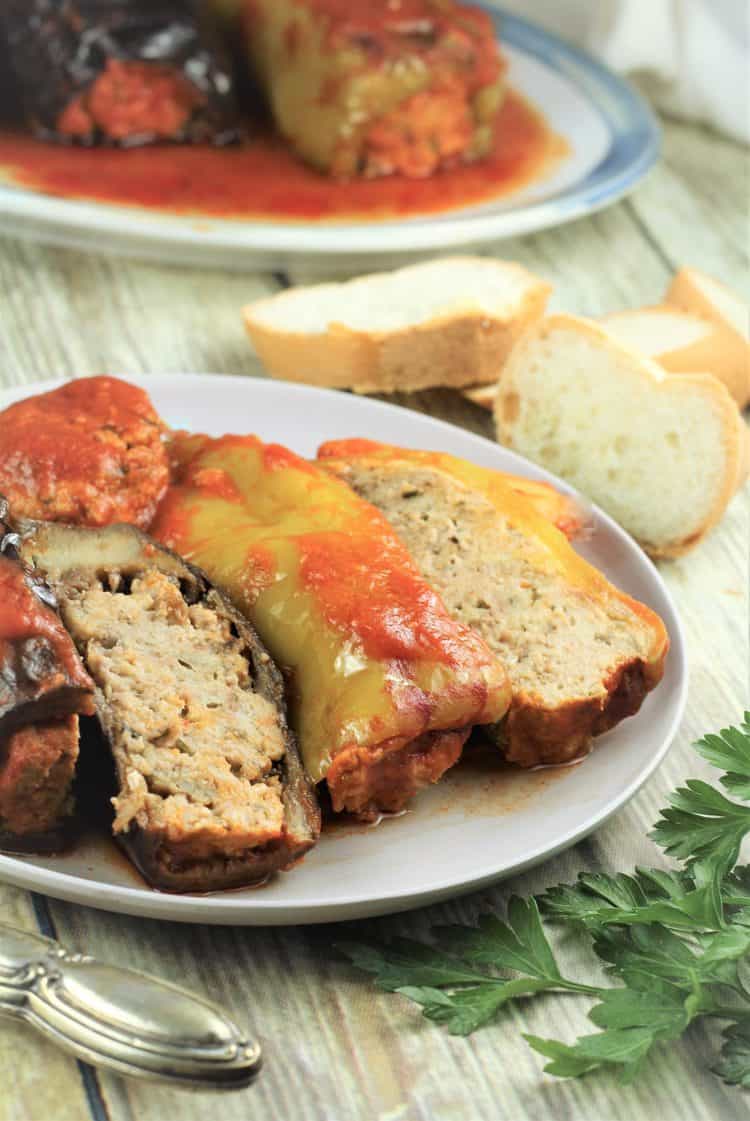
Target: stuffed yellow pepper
(384, 685)
(374, 89)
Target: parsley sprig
(675, 945)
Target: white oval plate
(477, 825)
(612, 135)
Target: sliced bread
(662, 454)
(449, 322)
(580, 654)
(701, 326)
(683, 342)
(700, 294)
(697, 292)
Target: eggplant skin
(59, 48)
(73, 558)
(41, 676)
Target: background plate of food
(391, 132)
(487, 817)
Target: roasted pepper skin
(546, 517)
(370, 89)
(373, 659)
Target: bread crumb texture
(392, 301)
(655, 460)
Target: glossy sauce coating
(373, 658)
(361, 575)
(531, 506)
(264, 180)
(507, 492)
(23, 615)
(378, 595)
(89, 452)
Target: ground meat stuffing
(194, 745)
(90, 453)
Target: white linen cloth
(690, 57)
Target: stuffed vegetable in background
(384, 685)
(375, 89)
(120, 72)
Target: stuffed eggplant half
(210, 789)
(43, 690)
(369, 89)
(120, 72)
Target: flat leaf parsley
(674, 944)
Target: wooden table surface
(335, 1049)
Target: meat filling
(37, 764)
(195, 747)
(369, 781)
(132, 99)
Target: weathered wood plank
(335, 1048)
(37, 1081)
(694, 204)
(597, 264)
(67, 314)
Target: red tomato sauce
(89, 452)
(23, 615)
(215, 481)
(260, 571)
(365, 583)
(57, 435)
(264, 180)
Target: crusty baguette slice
(449, 322)
(700, 294)
(661, 454)
(702, 326)
(484, 397)
(695, 291)
(581, 655)
(685, 343)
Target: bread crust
(715, 392)
(684, 293)
(721, 352)
(457, 348)
(482, 395)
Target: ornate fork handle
(122, 1019)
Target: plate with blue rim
(483, 821)
(612, 139)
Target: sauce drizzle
(264, 180)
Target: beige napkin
(691, 57)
